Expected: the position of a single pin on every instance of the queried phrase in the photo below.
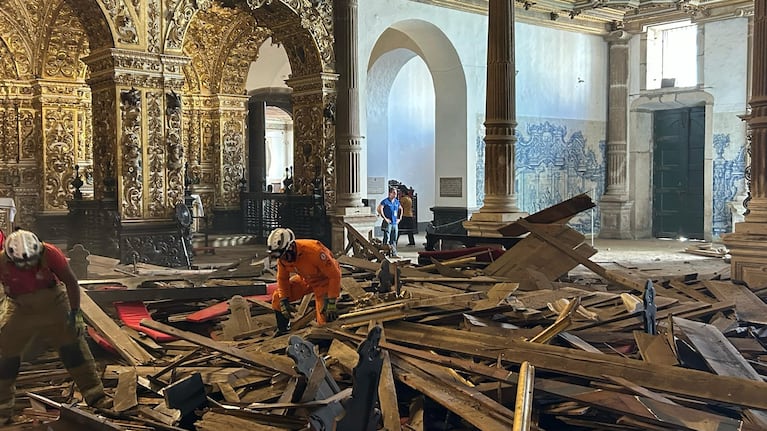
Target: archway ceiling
(222, 43)
(602, 16)
(41, 38)
(303, 29)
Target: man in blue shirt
(391, 211)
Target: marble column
(748, 244)
(500, 205)
(615, 204)
(349, 207)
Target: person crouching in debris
(42, 300)
(314, 270)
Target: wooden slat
(644, 408)
(387, 395)
(716, 350)
(125, 395)
(449, 397)
(691, 383)
(543, 254)
(654, 349)
(266, 360)
(748, 306)
(125, 345)
(559, 214)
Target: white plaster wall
(725, 77)
(551, 83)
(561, 74)
(725, 64)
(455, 142)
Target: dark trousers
(408, 224)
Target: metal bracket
(364, 400)
(648, 313)
(321, 386)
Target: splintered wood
(457, 344)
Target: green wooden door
(678, 173)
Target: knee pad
(71, 355)
(9, 367)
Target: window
(672, 55)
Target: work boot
(6, 417)
(283, 323)
(103, 403)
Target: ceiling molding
(604, 16)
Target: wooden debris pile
(462, 344)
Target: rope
(447, 224)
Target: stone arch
(399, 43)
(94, 20)
(42, 43)
(306, 33)
(641, 152)
(65, 42)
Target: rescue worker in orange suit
(42, 300)
(314, 270)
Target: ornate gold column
(615, 204)
(137, 134)
(227, 146)
(138, 148)
(348, 139)
(500, 205)
(314, 101)
(748, 244)
(20, 169)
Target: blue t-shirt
(391, 209)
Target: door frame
(640, 157)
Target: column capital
(618, 37)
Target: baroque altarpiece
(132, 103)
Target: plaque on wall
(376, 186)
(450, 187)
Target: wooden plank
(691, 383)
(537, 254)
(748, 306)
(265, 360)
(654, 349)
(721, 356)
(126, 347)
(690, 291)
(644, 408)
(125, 394)
(538, 231)
(210, 375)
(176, 293)
(448, 396)
(559, 214)
(387, 395)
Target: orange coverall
(315, 270)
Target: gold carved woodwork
(59, 149)
(233, 163)
(222, 43)
(314, 100)
(131, 155)
(155, 155)
(137, 152)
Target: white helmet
(279, 242)
(23, 248)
